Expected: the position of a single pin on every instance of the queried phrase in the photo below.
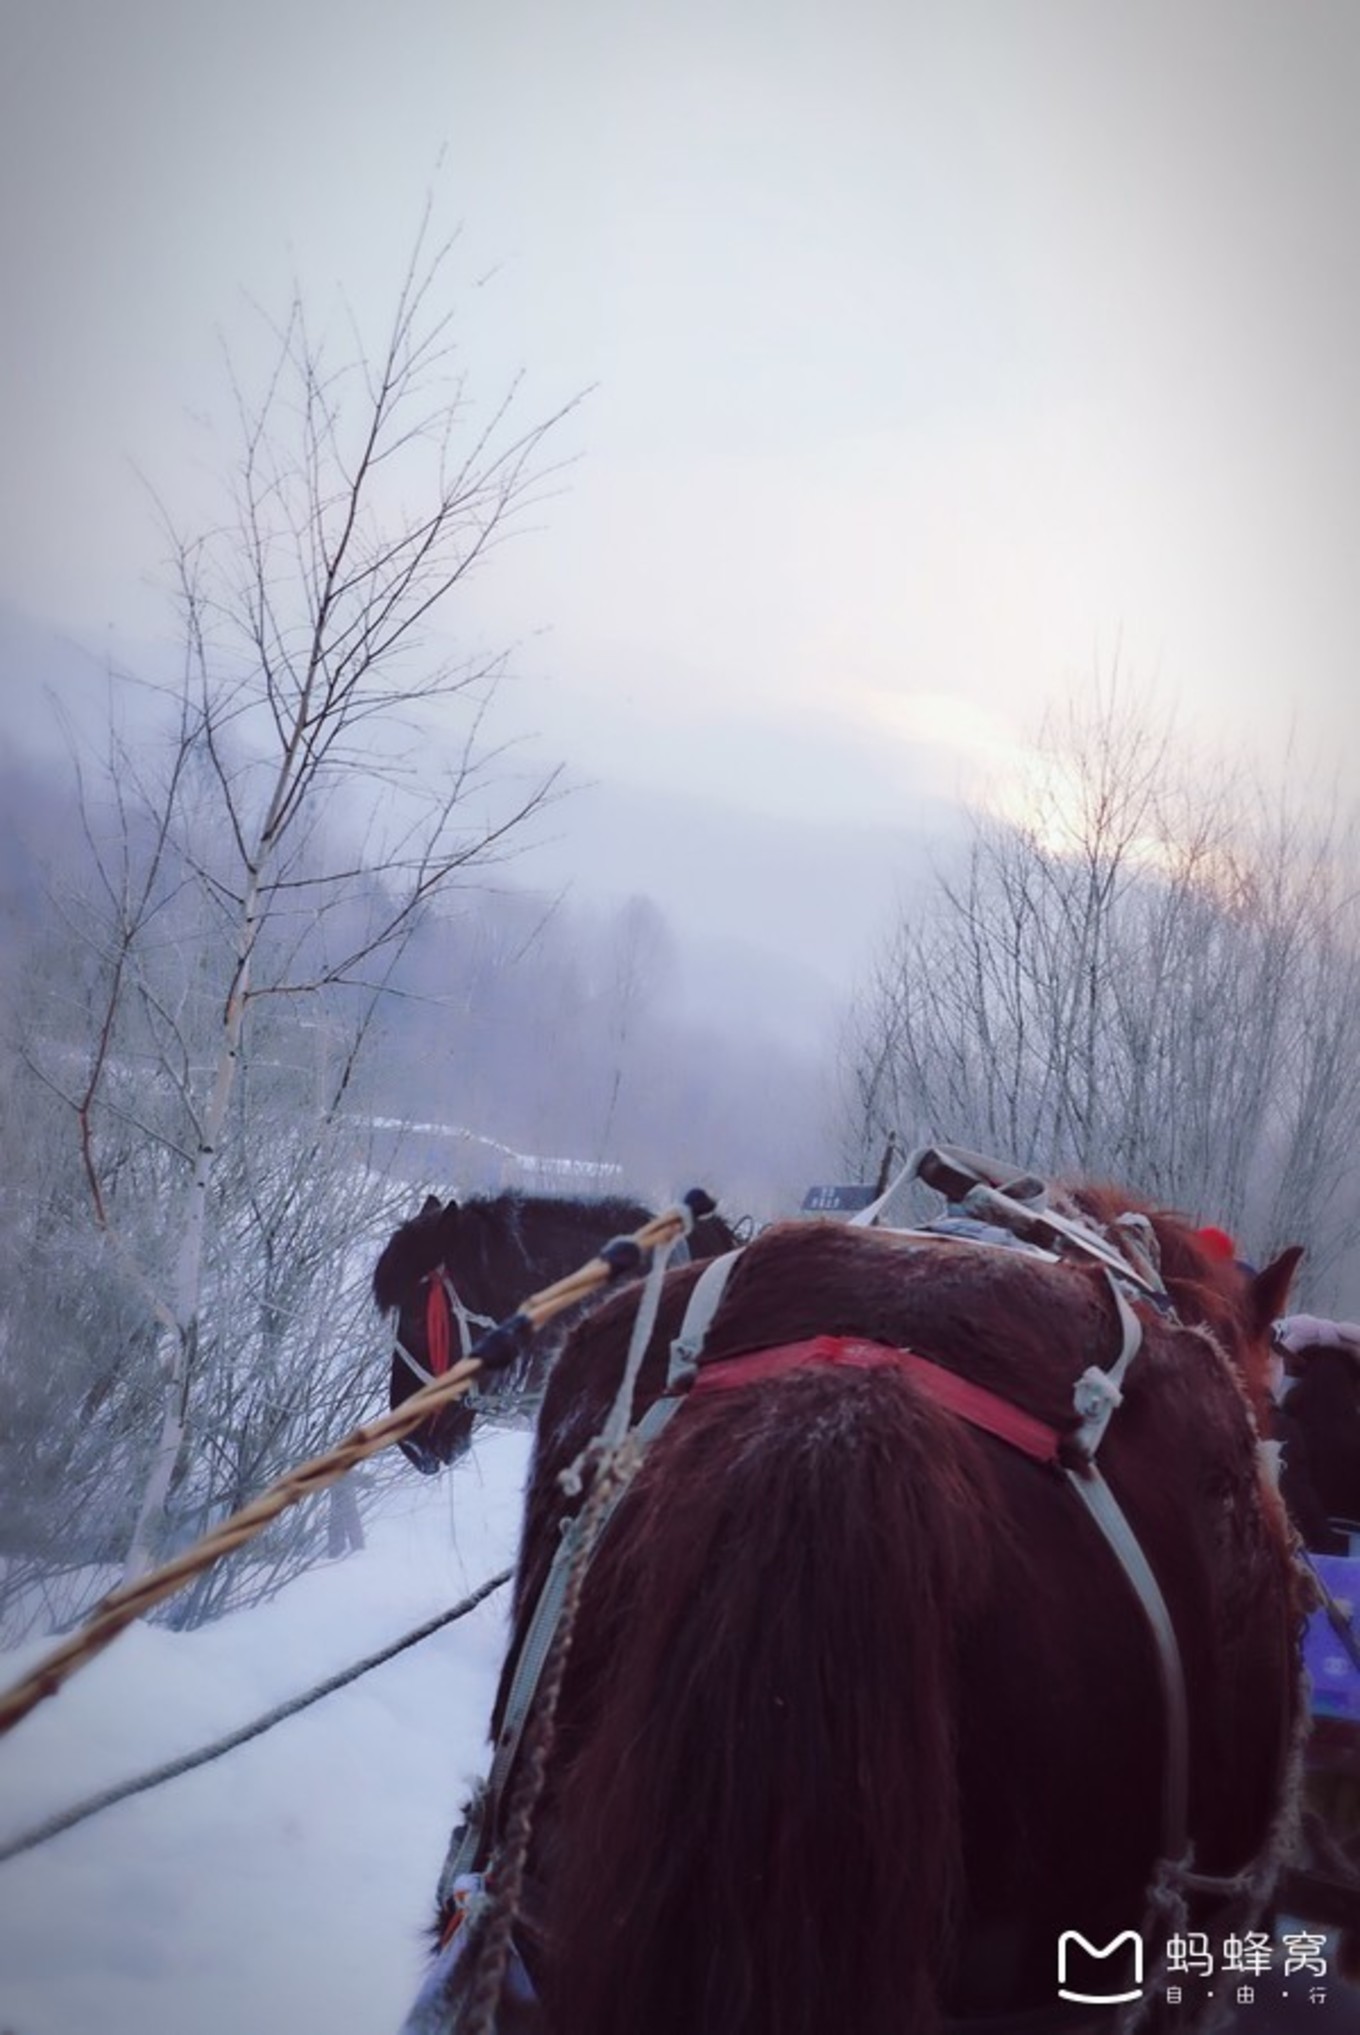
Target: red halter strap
(437, 1324)
(971, 1402)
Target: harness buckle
(1095, 1397)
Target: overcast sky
(937, 350)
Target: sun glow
(1067, 804)
(954, 742)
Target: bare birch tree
(324, 774)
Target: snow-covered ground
(285, 1888)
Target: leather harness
(976, 1187)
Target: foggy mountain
(529, 1012)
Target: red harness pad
(437, 1325)
(970, 1402)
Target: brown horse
(862, 1712)
(456, 1268)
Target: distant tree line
(1148, 972)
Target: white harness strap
(463, 1315)
(1097, 1393)
(1104, 1508)
(620, 1418)
(412, 1364)
(705, 1298)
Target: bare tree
(639, 954)
(323, 774)
(1149, 974)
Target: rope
(123, 1606)
(505, 1879)
(94, 1804)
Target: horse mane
(484, 1225)
(411, 1253)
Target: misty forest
(270, 977)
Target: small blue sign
(843, 1200)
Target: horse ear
(1270, 1288)
(429, 1207)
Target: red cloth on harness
(437, 1325)
(971, 1402)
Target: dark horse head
(457, 1268)
(863, 1711)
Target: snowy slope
(285, 1888)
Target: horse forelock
(412, 1253)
